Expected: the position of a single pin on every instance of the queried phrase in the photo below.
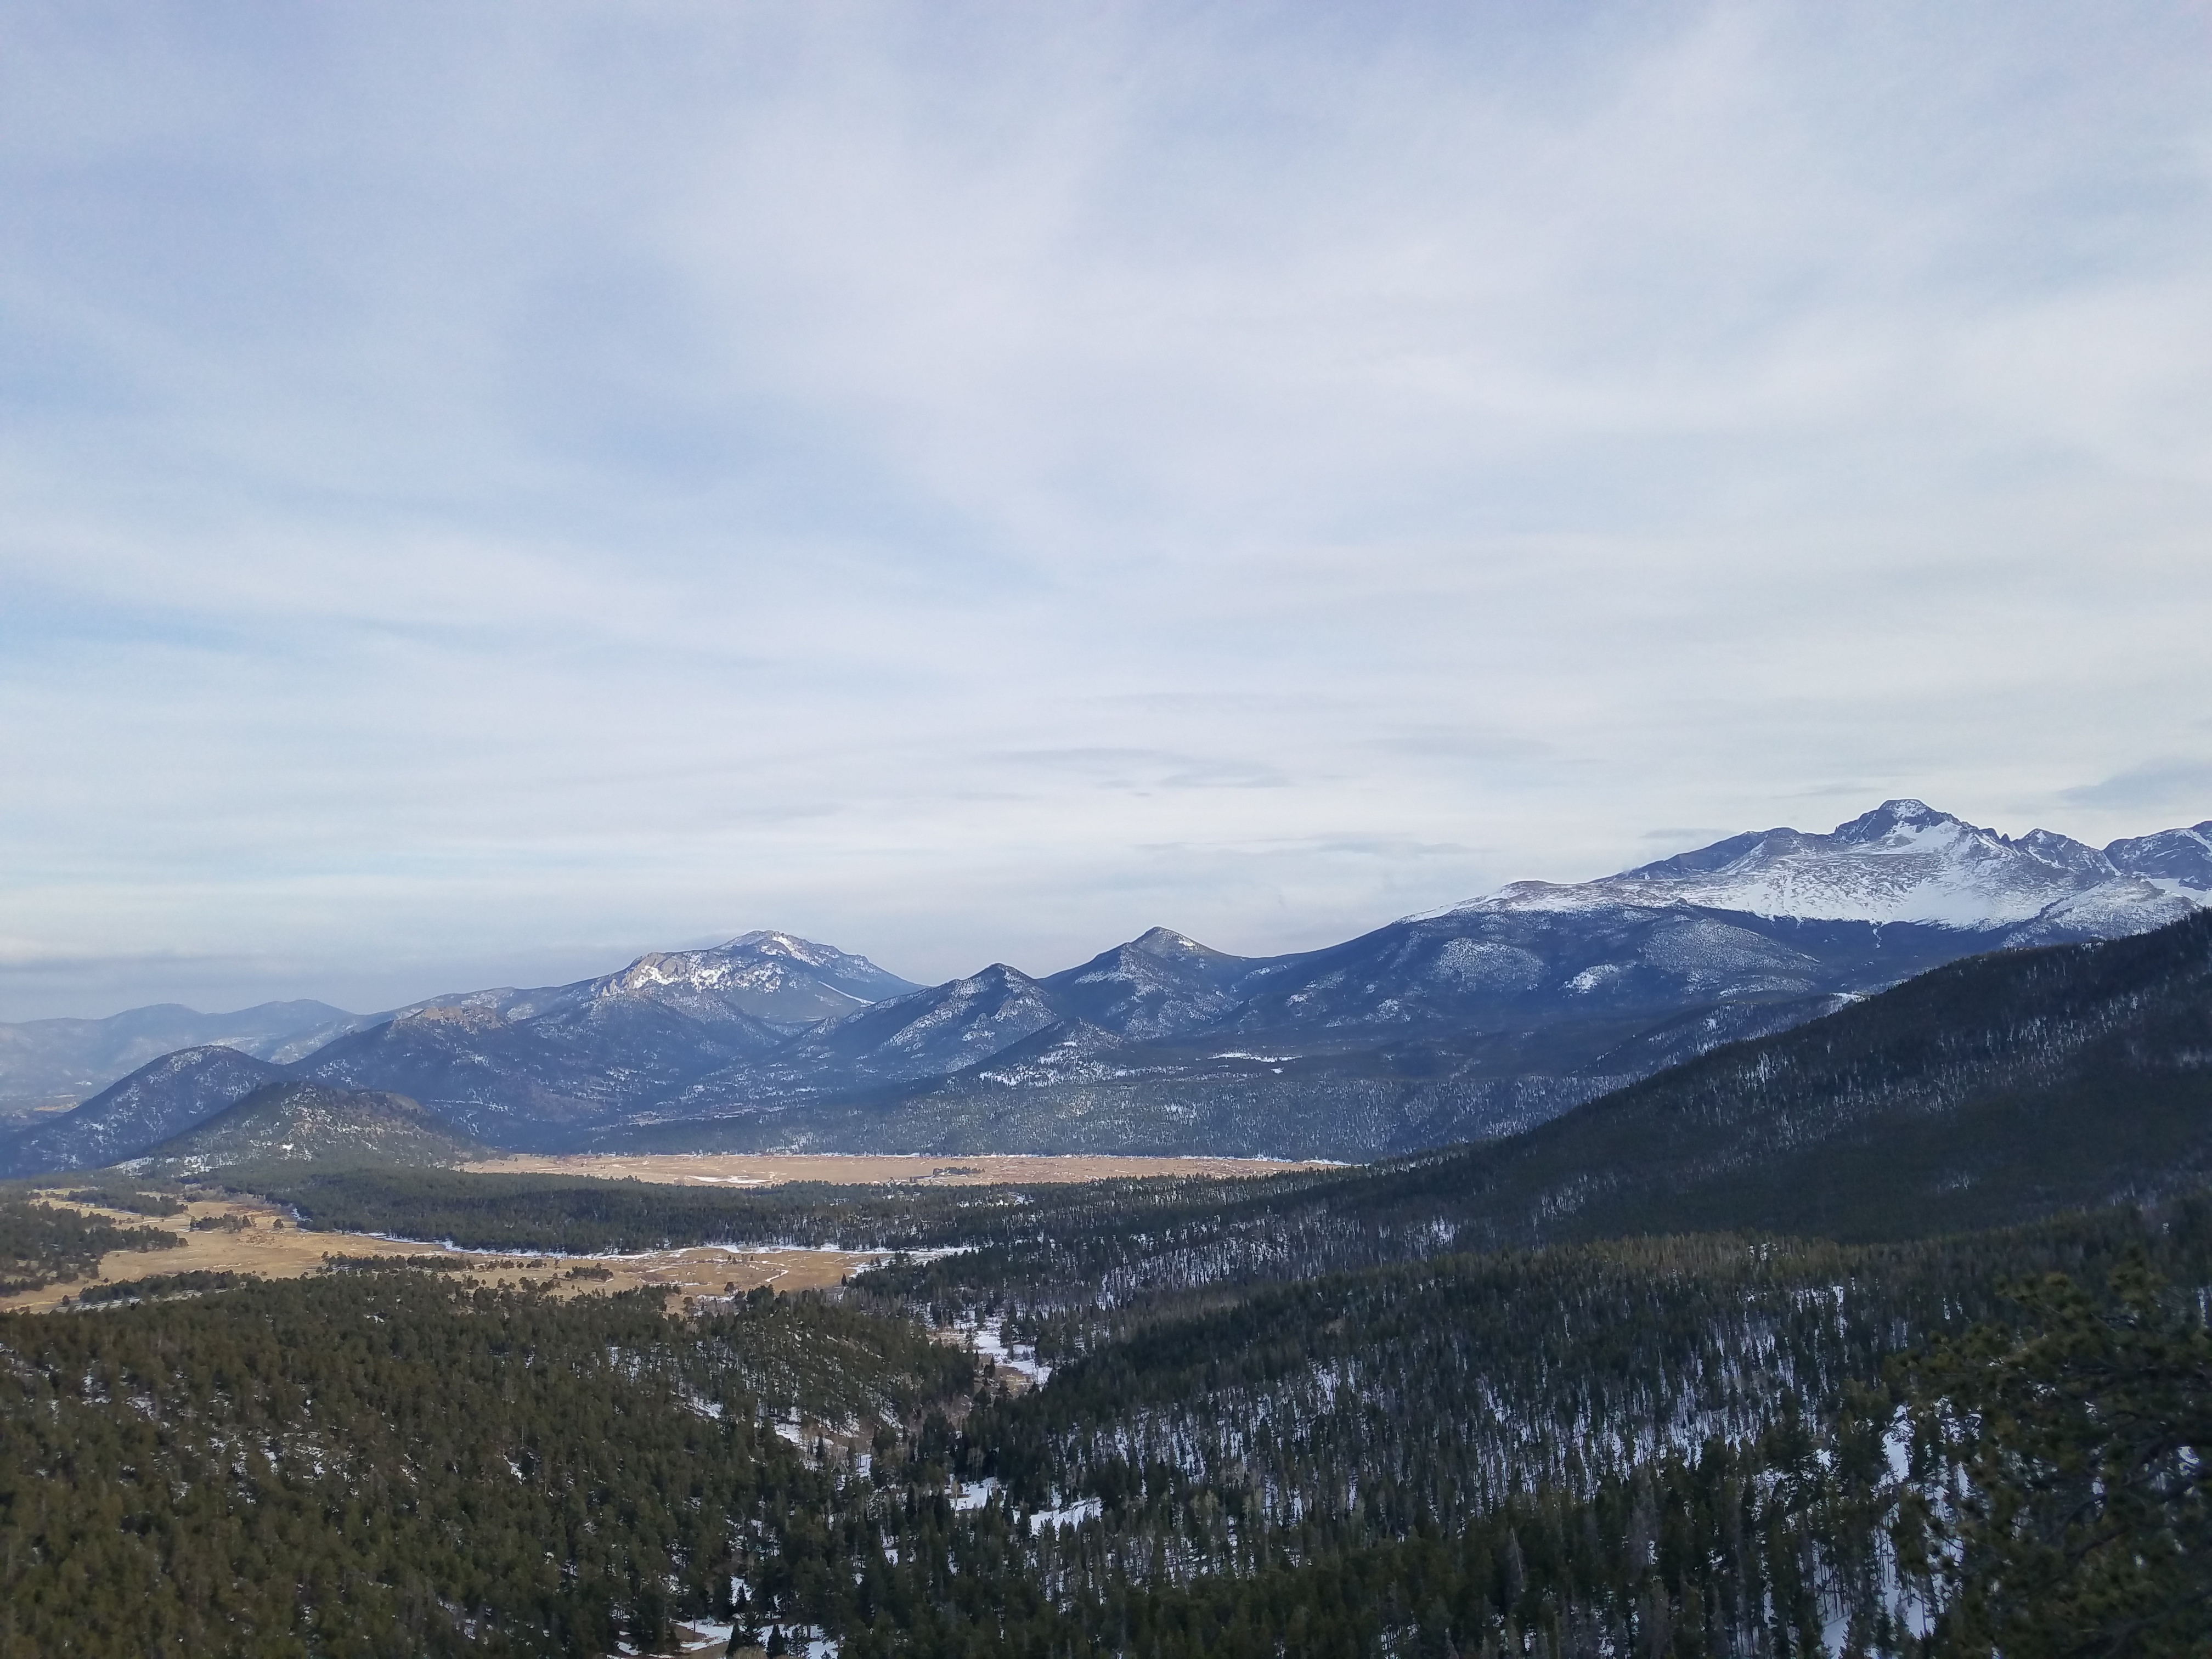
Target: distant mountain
(530, 1068)
(294, 1121)
(1160, 984)
(2179, 859)
(775, 980)
(1773, 916)
(526, 1076)
(526, 1068)
(161, 1099)
(1005, 1028)
(924, 1035)
(1475, 1021)
(59, 1062)
(1478, 1020)
(784, 980)
(1907, 862)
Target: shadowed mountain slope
(1160, 984)
(2010, 1090)
(161, 1099)
(925, 1035)
(298, 1121)
(528, 1081)
(1985, 1092)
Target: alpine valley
(1464, 1023)
(1867, 1320)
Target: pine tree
(2088, 1525)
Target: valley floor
(272, 1246)
(864, 1169)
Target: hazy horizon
(583, 962)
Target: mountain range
(1470, 1022)
(48, 1064)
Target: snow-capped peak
(1165, 943)
(1904, 862)
(762, 942)
(1897, 822)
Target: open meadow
(862, 1170)
(241, 1234)
(254, 1237)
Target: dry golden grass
(272, 1248)
(865, 1170)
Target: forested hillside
(392, 1463)
(1703, 1445)
(1988, 1093)
(584, 1214)
(1979, 1094)
(1437, 1388)
(294, 1122)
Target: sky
(486, 491)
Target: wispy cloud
(487, 486)
(2170, 784)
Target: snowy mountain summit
(777, 977)
(1907, 862)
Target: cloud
(1148, 768)
(485, 488)
(2170, 784)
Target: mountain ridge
(296, 1121)
(164, 1097)
(1902, 862)
(59, 1063)
(1458, 1023)
(1464, 1022)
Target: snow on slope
(1159, 984)
(1906, 862)
(776, 978)
(927, 1033)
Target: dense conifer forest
(393, 1463)
(583, 1215)
(1720, 1444)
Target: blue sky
(489, 490)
